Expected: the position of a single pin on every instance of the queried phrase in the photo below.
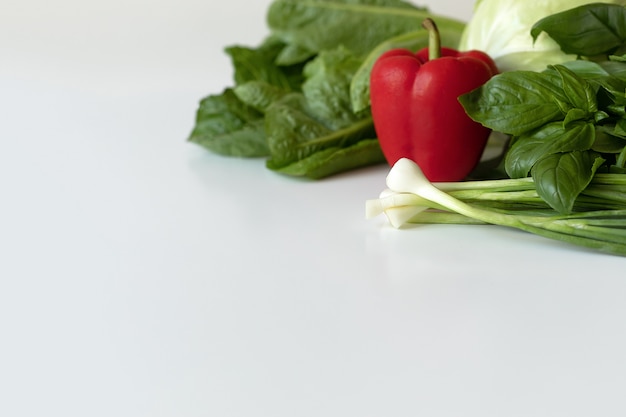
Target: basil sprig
(588, 30)
(568, 122)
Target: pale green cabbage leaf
(501, 28)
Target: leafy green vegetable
(259, 95)
(553, 138)
(581, 96)
(310, 26)
(552, 114)
(590, 30)
(327, 87)
(227, 126)
(517, 102)
(568, 121)
(259, 64)
(296, 134)
(334, 160)
(561, 177)
(318, 120)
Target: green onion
(598, 220)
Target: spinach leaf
(294, 134)
(227, 126)
(550, 139)
(588, 30)
(310, 26)
(259, 64)
(314, 133)
(327, 87)
(232, 123)
(334, 160)
(258, 94)
(560, 178)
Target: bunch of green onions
(598, 219)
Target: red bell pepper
(416, 112)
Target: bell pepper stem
(434, 39)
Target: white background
(142, 276)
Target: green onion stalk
(597, 221)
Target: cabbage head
(501, 28)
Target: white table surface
(142, 276)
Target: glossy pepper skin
(416, 112)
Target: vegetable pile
(314, 100)
(566, 163)
(301, 98)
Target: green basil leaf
(617, 110)
(580, 93)
(548, 140)
(607, 141)
(599, 75)
(617, 58)
(227, 126)
(307, 27)
(617, 129)
(600, 116)
(516, 102)
(588, 70)
(616, 69)
(560, 178)
(615, 89)
(335, 160)
(620, 128)
(574, 115)
(588, 30)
